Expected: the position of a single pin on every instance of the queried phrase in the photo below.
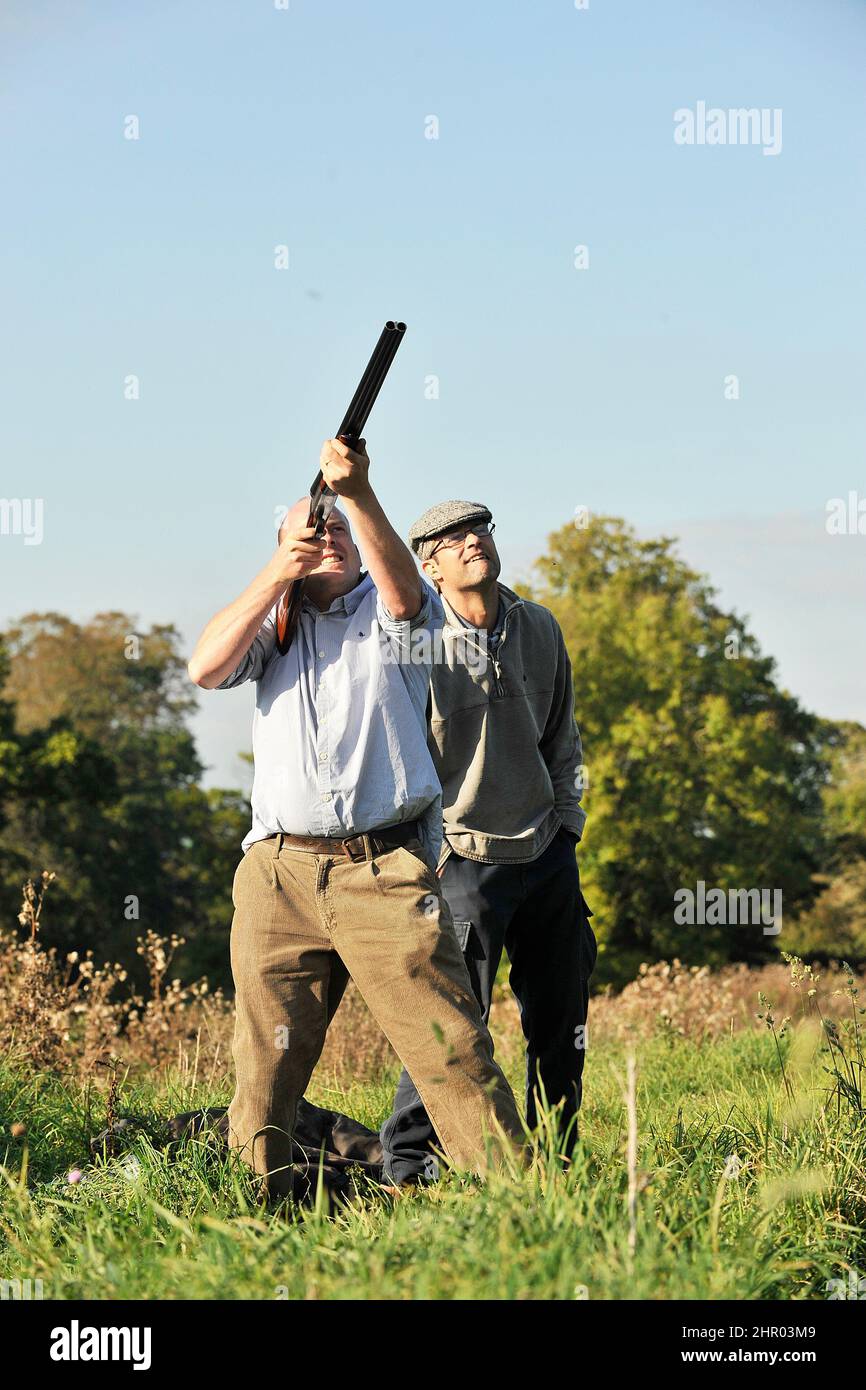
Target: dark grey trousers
(537, 913)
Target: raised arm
(231, 632)
(389, 561)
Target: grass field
(722, 1151)
(748, 1185)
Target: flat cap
(445, 516)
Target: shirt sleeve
(410, 644)
(252, 664)
(425, 617)
(561, 745)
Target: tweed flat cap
(445, 516)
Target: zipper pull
(497, 669)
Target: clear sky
(558, 387)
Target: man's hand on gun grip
(345, 470)
(299, 553)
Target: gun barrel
(371, 382)
(322, 499)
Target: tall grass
(729, 1163)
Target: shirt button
(323, 757)
(321, 656)
(326, 796)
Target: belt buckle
(352, 841)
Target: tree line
(698, 768)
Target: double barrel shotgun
(322, 499)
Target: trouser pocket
(470, 941)
(588, 942)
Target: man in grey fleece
(508, 754)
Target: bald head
(296, 518)
(340, 569)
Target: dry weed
(75, 1016)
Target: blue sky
(558, 387)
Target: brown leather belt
(355, 847)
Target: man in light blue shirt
(339, 731)
(338, 875)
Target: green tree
(698, 766)
(835, 925)
(104, 789)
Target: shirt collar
(345, 603)
(464, 622)
(507, 600)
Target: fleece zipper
(498, 689)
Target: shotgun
(322, 499)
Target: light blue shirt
(340, 727)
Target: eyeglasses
(455, 538)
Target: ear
(431, 570)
